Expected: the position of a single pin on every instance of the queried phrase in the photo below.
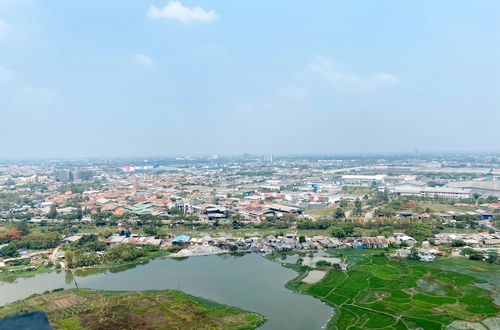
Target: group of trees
(491, 257)
(419, 231)
(9, 251)
(285, 221)
(24, 238)
(38, 240)
(358, 208)
(318, 224)
(90, 251)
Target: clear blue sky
(140, 78)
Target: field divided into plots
(379, 292)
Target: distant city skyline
(169, 78)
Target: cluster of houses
(290, 241)
(471, 239)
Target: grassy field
(91, 309)
(382, 293)
(326, 212)
(445, 207)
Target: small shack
(181, 240)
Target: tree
(493, 257)
(175, 210)
(358, 207)
(357, 232)
(9, 251)
(419, 231)
(337, 231)
(323, 263)
(151, 231)
(457, 243)
(385, 212)
(23, 228)
(339, 213)
(79, 213)
(414, 254)
(52, 212)
(85, 260)
(473, 254)
(70, 258)
(302, 239)
(343, 203)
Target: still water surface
(250, 282)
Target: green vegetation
(89, 251)
(91, 309)
(326, 212)
(379, 292)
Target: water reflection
(247, 281)
(68, 277)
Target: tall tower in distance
(268, 158)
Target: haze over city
(146, 78)
(245, 164)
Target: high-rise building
(65, 176)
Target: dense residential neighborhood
(209, 206)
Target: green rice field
(378, 292)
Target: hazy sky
(156, 77)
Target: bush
(9, 251)
(151, 248)
(126, 252)
(457, 243)
(337, 231)
(20, 262)
(473, 254)
(323, 263)
(174, 249)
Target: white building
(362, 180)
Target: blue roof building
(182, 239)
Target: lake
(250, 282)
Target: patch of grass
(434, 299)
(92, 309)
(326, 212)
(336, 299)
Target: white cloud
(4, 27)
(326, 68)
(177, 11)
(144, 60)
